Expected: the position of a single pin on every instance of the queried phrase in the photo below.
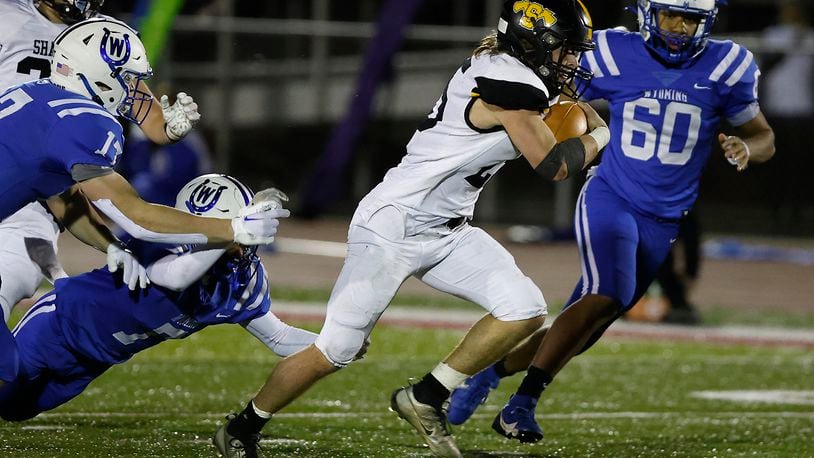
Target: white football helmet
(658, 40)
(215, 196)
(104, 60)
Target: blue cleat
(516, 420)
(465, 399)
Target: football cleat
(516, 420)
(231, 447)
(468, 397)
(431, 423)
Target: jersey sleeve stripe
(724, 65)
(590, 58)
(247, 292)
(512, 95)
(605, 52)
(738, 73)
(60, 102)
(263, 294)
(32, 313)
(83, 110)
(746, 115)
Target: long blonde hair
(489, 45)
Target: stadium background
(275, 78)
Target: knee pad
(524, 301)
(341, 348)
(343, 336)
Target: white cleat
(430, 423)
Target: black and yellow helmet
(532, 30)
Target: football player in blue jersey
(59, 141)
(92, 321)
(668, 86)
(28, 29)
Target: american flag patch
(64, 70)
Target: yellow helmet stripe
(590, 23)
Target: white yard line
(311, 247)
(463, 319)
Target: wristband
(601, 135)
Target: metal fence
(252, 73)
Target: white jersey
(26, 48)
(449, 160)
(26, 42)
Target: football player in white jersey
(415, 222)
(29, 237)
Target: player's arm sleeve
(740, 89)
(510, 85)
(88, 140)
(281, 338)
(177, 272)
(602, 62)
(592, 90)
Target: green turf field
(623, 398)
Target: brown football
(566, 120)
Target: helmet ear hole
(552, 41)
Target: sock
(535, 382)
(260, 413)
(448, 376)
(248, 422)
(430, 391)
(500, 368)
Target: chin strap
(93, 95)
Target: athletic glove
(273, 195)
(180, 117)
(133, 272)
(257, 224)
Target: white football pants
(464, 261)
(28, 254)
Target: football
(566, 120)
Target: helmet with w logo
(214, 195)
(104, 60)
(533, 30)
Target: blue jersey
(106, 322)
(664, 120)
(45, 133)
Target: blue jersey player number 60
(641, 139)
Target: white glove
(134, 273)
(180, 117)
(257, 224)
(273, 195)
